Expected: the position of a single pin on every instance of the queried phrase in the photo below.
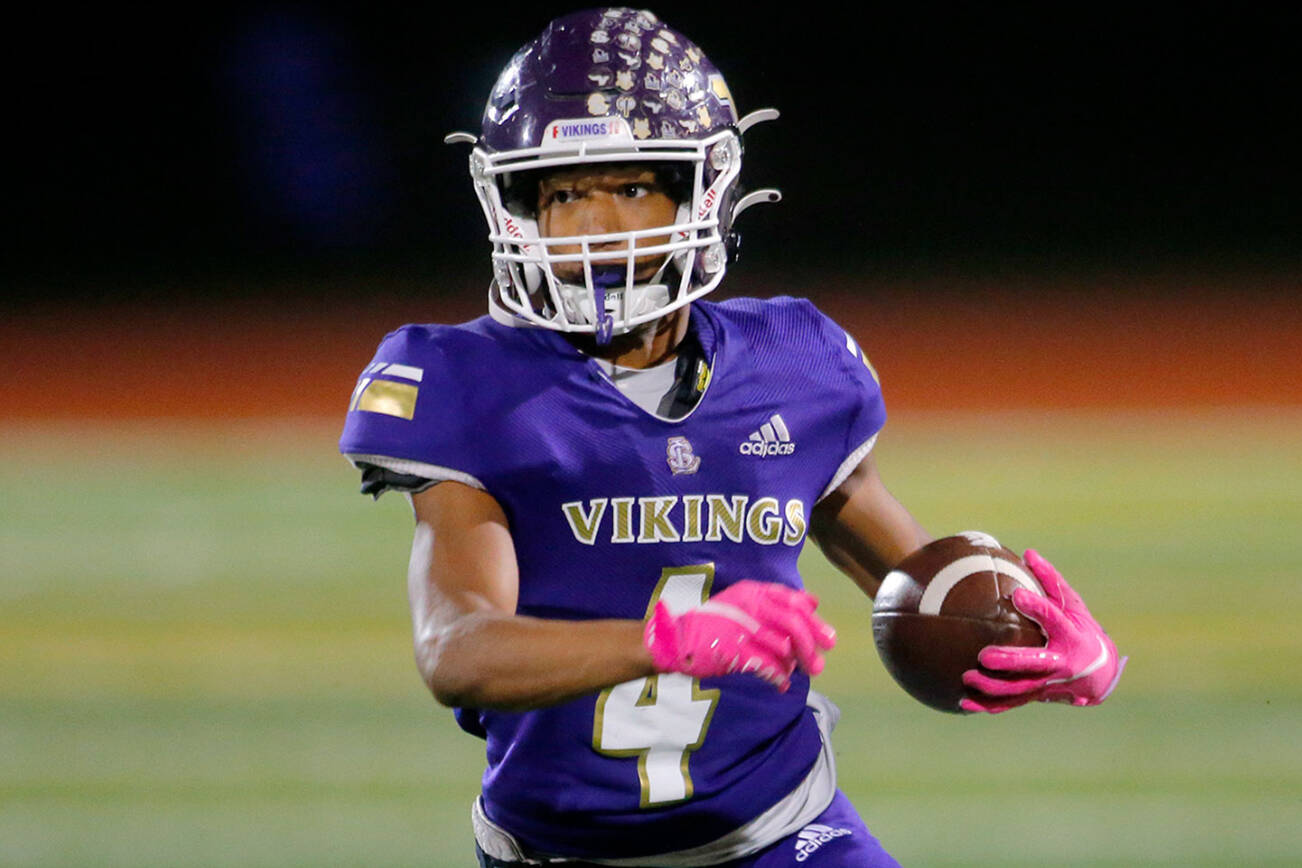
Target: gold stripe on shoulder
(390, 398)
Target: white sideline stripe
(848, 465)
(407, 372)
(953, 573)
(781, 427)
(418, 468)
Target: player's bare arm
(472, 649)
(863, 530)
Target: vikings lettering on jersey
(614, 508)
(689, 519)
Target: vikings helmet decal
(612, 86)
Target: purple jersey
(612, 508)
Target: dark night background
(167, 154)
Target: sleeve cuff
(406, 466)
(853, 460)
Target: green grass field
(204, 653)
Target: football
(941, 605)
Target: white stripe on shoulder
(407, 372)
(417, 468)
(848, 465)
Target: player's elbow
(450, 692)
(451, 686)
(477, 661)
(442, 669)
(451, 665)
(458, 686)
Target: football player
(603, 579)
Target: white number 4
(663, 718)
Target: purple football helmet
(608, 86)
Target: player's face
(595, 200)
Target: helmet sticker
(720, 88)
(563, 133)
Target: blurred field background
(204, 652)
(1071, 246)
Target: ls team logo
(680, 457)
(771, 439)
(811, 838)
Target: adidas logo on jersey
(814, 836)
(772, 438)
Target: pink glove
(759, 627)
(1079, 664)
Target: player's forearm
(867, 552)
(863, 530)
(493, 660)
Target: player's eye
(634, 191)
(562, 197)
